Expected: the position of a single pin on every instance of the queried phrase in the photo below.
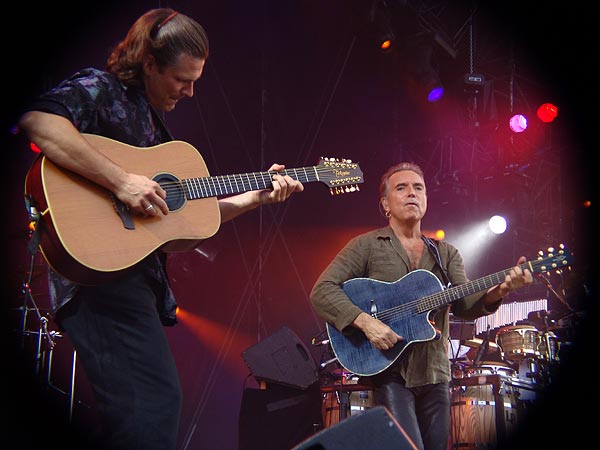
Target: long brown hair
(163, 33)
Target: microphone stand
(483, 349)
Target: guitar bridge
(123, 212)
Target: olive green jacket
(379, 255)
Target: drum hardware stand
(483, 349)
(43, 356)
(343, 398)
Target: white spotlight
(497, 224)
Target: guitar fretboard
(552, 262)
(234, 184)
(449, 295)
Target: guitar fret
(267, 181)
(194, 188)
(295, 177)
(230, 185)
(209, 187)
(188, 194)
(199, 186)
(202, 187)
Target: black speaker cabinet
(278, 417)
(282, 358)
(373, 429)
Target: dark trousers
(123, 349)
(423, 412)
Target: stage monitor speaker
(282, 358)
(373, 429)
(278, 417)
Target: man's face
(406, 198)
(167, 86)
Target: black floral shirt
(97, 102)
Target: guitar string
(225, 183)
(430, 302)
(307, 171)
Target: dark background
(293, 81)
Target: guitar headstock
(342, 176)
(554, 260)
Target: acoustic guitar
(88, 236)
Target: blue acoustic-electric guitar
(406, 306)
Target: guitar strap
(436, 255)
(161, 123)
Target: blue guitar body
(385, 301)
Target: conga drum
(518, 342)
(473, 408)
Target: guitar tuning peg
(550, 250)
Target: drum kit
(490, 396)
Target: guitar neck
(552, 262)
(457, 292)
(214, 186)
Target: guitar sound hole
(175, 196)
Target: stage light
(547, 112)
(380, 17)
(518, 123)
(385, 44)
(440, 235)
(497, 224)
(34, 148)
(435, 93)
(425, 74)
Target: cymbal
(476, 343)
